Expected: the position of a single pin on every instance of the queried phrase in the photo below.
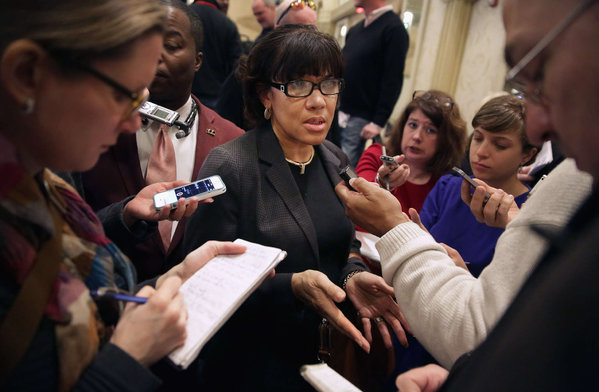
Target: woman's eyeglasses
(303, 88)
(428, 96)
(137, 99)
(297, 5)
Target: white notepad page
(325, 379)
(216, 290)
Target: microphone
(182, 133)
(184, 127)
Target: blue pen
(109, 293)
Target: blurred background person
(427, 141)
(280, 192)
(372, 86)
(295, 12)
(223, 6)
(264, 12)
(221, 50)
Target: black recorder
(347, 173)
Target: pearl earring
(28, 106)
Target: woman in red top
(426, 143)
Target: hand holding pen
(151, 330)
(111, 293)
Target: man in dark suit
(121, 171)
(222, 48)
(547, 339)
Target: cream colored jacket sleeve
(449, 311)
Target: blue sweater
(449, 220)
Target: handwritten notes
(217, 290)
(325, 379)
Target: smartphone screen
(201, 189)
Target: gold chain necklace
(302, 165)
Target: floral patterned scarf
(89, 261)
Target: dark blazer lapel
(127, 159)
(279, 175)
(332, 164)
(204, 141)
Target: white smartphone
(470, 181)
(202, 189)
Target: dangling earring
(28, 106)
(267, 113)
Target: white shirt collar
(374, 15)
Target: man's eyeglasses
(428, 96)
(297, 5)
(137, 99)
(534, 93)
(303, 88)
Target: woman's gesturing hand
(315, 289)
(373, 298)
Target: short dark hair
(195, 23)
(504, 113)
(286, 53)
(451, 142)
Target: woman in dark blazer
(280, 180)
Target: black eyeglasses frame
(283, 87)
(137, 99)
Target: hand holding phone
(202, 189)
(391, 163)
(470, 181)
